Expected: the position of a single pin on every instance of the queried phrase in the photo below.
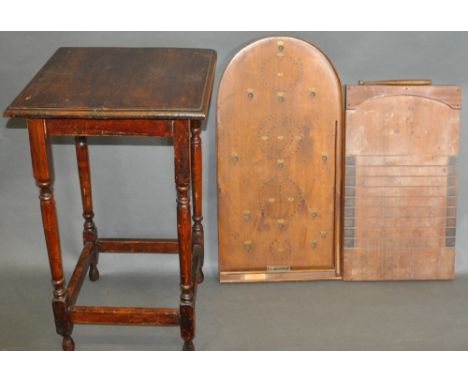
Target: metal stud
(314, 213)
(248, 245)
(280, 163)
(313, 244)
(280, 46)
(250, 93)
(234, 157)
(324, 156)
(280, 96)
(281, 223)
(246, 215)
(323, 234)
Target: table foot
(93, 273)
(188, 345)
(68, 344)
(200, 277)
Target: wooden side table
(150, 92)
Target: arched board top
(448, 94)
(281, 67)
(279, 133)
(402, 124)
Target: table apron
(109, 127)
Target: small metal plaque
(278, 268)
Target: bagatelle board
(400, 183)
(279, 153)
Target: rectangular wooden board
(279, 134)
(400, 182)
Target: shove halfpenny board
(279, 133)
(400, 182)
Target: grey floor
(325, 315)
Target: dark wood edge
(138, 245)
(208, 88)
(10, 112)
(64, 113)
(109, 315)
(79, 274)
(339, 191)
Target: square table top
(120, 83)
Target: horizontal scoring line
(373, 248)
(387, 238)
(405, 196)
(398, 187)
(449, 177)
(395, 227)
(447, 166)
(399, 156)
(398, 216)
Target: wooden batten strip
(139, 245)
(108, 315)
(79, 274)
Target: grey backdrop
(133, 193)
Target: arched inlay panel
(279, 134)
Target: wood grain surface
(279, 121)
(400, 182)
(120, 83)
(85, 92)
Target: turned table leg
(196, 172)
(43, 173)
(89, 228)
(182, 180)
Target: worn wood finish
(109, 127)
(79, 274)
(129, 83)
(400, 188)
(197, 259)
(43, 173)
(279, 151)
(139, 245)
(109, 315)
(184, 230)
(110, 92)
(196, 175)
(89, 228)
